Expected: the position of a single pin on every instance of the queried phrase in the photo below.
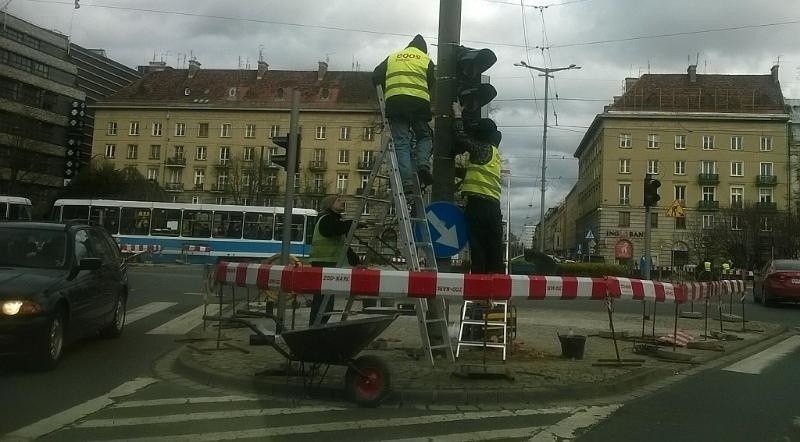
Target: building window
(708, 142)
(220, 199)
(155, 152)
(319, 182)
(250, 131)
(708, 167)
(652, 167)
(175, 176)
(156, 132)
(765, 224)
(625, 166)
(245, 202)
(178, 151)
(245, 181)
(319, 154)
(201, 153)
(195, 200)
(225, 130)
(624, 219)
(247, 155)
(737, 197)
(344, 156)
(320, 135)
(765, 169)
(680, 142)
(366, 209)
(625, 194)
(202, 130)
(111, 129)
(736, 222)
(364, 181)
(680, 167)
(133, 151)
(708, 193)
(133, 129)
(344, 133)
(180, 129)
(199, 177)
(152, 174)
(680, 223)
(765, 195)
(222, 181)
(224, 154)
(369, 133)
(274, 131)
(625, 141)
(654, 220)
(111, 149)
(652, 141)
(341, 183)
(737, 168)
(736, 143)
(680, 192)
(766, 144)
(708, 221)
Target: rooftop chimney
(323, 69)
(629, 82)
(692, 71)
(194, 66)
(156, 66)
(774, 72)
(262, 69)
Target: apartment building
(793, 107)
(205, 135)
(713, 141)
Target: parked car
(58, 282)
(778, 281)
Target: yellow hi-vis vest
(325, 249)
(484, 179)
(407, 74)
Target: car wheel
(114, 328)
(51, 346)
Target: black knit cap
(419, 42)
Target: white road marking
(184, 401)
(146, 310)
(80, 411)
(511, 433)
(353, 425)
(566, 428)
(180, 325)
(188, 417)
(758, 362)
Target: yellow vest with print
(407, 74)
(325, 249)
(484, 179)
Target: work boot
(425, 176)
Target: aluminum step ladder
(485, 325)
(411, 248)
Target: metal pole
(260, 177)
(508, 227)
(291, 166)
(647, 263)
(544, 163)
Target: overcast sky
(609, 39)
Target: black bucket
(572, 346)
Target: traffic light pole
(647, 260)
(291, 170)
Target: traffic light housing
(471, 92)
(282, 160)
(651, 196)
(75, 137)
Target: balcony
(708, 179)
(362, 190)
(365, 166)
(318, 166)
(218, 187)
(173, 187)
(223, 163)
(766, 180)
(766, 206)
(270, 188)
(176, 162)
(316, 190)
(737, 204)
(197, 186)
(708, 205)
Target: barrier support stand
(675, 330)
(705, 328)
(618, 362)
(654, 319)
(644, 316)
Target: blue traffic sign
(448, 228)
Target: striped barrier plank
(140, 248)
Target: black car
(58, 282)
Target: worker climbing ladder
(400, 230)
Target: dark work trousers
(316, 302)
(485, 226)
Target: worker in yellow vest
(481, 186)
(407, 80)
(726, 268)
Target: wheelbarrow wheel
(368, 381)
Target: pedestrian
(407, 79)
(326, 244)
(481, 188)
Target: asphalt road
(95, 366)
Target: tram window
(108, 217)
(297, 227)
(166, 222)
(228, 225)
(258, 226)
(74, 212)
(3, 210)
(311, 222)
(134, 221)
(196, 224)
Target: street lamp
(545, 72)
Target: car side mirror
(90, 264)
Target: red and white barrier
(140, 248)
(192, 249)
(645, 290)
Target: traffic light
(472, 94)
(651, 196)
(72, 155)
(281, 160)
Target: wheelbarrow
(368, 379)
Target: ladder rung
(430, 321)
(438, 346)
(480, 344)
(479, 322)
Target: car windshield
(788, 264)
(27, 247)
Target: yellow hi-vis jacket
(407, 74)
(484, 179)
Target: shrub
(591, 269)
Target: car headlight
(17, 307)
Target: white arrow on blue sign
(448, 228)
